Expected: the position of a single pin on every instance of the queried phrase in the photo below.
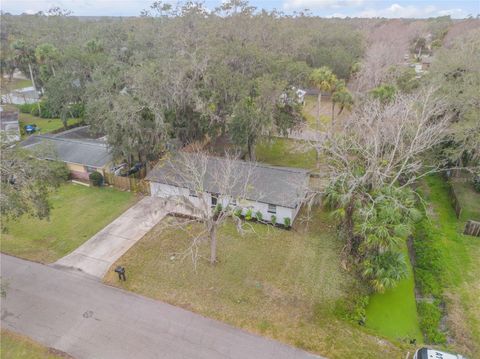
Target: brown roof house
(82, 154)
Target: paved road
(81, 316)
(95, 256)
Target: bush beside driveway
(77, 214)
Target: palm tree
(341, 96)
(47, 54)
(384, 270)
(324, 80)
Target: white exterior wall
(166, 191)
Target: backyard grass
(309, 111)
(286, 285)
(286, 152)
(393, 314)
(16, 346)
(469, 201)
(77, 213)
(45, 125)
(461, 275)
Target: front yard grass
(287, 285)
(393, 314)
(286, 152)
(16, 346)
(77, 213)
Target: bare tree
(385, 144)
(210, 189)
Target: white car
(425, 353)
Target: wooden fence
(472, 228)
(455, 201)
(128, 183)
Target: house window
(214, 201)
(90, 169)
(192, 193)
(272, 208)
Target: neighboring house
(271, 190)
(21, 96)
(82, 156)
(9, 125)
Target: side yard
(287, 285)
(77, 213)
(286, 152)
(16, 346)
(393, 314)
(447, 274)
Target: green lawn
(286, 152)
(16, 346)
(286, 285)
(78, 213)
(309, 112)
(45, 125)
(461, 270)
(393, 314)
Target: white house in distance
(277, 191)
(9, 125)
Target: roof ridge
(76, 140)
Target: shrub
(273, 219)
(476, 182)
(286, 222)
(430, 317)
(218, 208)
(237, 212)
(96, 178)
(248, 214)
(26, 107)
(259, 216)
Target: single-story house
(9, 125)
(82, 156)
(271, 190)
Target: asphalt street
(75, 313)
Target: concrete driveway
(95, 256)
(81, 316)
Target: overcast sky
(327, 8)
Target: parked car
(124, 172)
(117, 170)
(425, 353)
(136, 167)
(30, 128)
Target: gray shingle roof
(280, 186)
(84, 152)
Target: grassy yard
(310, 112)
(393, 314)
(78, 212)
(469, 201)
(16, 346)
(287, 285)
(285, 152)
(45, 125)
(461, 275)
